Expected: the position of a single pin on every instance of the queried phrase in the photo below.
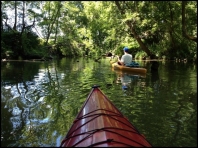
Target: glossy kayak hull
(100, 124)
(131, 73)
(116, 66)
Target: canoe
(115, 65)
(100, 124)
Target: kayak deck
(99, 123)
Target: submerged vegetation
(154, 29)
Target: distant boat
(116, 66)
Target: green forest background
(151, 29)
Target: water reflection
(126, 79)
(39, 100)
(155, 80)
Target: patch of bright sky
(11, 15)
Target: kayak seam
(101, 109)
(98, 115)
(103, 129)
(98, 143)
(86, 116)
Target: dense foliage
(156, 29)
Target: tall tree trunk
(15, 17)
(50, 27)
(56, 30)
(143, 47)
(21, 50)
(173, 48)
(171, 27)
(23, 18)
(184, 32)
(1, 18)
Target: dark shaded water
(39, 100)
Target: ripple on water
(52, 99)
(7, 87)
(38, 121)
(16, 122)
(16, 111)
(25, 114)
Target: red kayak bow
(100, 124)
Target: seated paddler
(126, 58)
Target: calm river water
(39, 100)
